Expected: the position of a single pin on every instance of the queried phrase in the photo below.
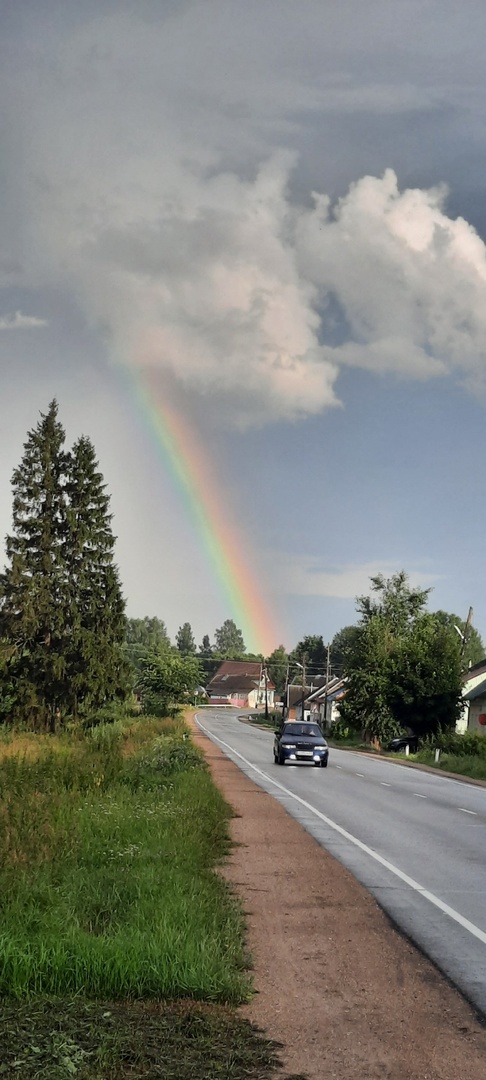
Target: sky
(268, 220)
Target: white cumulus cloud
(409, 282)
(309, 575)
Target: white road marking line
(360, 774)
(467, 811)
(417, 796)
(338, 766)
(427, 895)
(402, 766)
(382, 782)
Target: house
(323, 703)
(292, 702)
(292, 699)
(242, 683)
(474, 695)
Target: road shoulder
(343, 992)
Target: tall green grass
(109, 845)
(472, 765)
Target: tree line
(68, 651)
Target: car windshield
(302, 729)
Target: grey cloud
(17, 321)
(153, 187)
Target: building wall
(476, 708)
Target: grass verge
(107, 882)
(113, 915)
(463, 764)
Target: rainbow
(193, 476)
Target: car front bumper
(309, 757)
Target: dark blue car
(300, 743)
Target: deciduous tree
(167, 680)
(277, 667)
(229, 640)
(403, 667)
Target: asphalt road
(417, 841)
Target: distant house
(241, 683)
(474, 695)
(292, 702)
(323, 703)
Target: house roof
(239, 667)
(293, 695)
(233, 675)
(322, 692)
(476, 691)
(229, 684)
(476, 669)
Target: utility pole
(286, 694)
(266, 695)
(327, 682)
(304, 658)
(466, 630)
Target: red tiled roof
(233, 675)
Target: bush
(468, 745)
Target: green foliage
(313, 649)
(61, 607)
(150, 633)
(395, 601)
(185, 640)
(205, 649)
(340, 647)
(106, 881)
(468, 745)
(34, 611)
(473, 650)
(229, 640)
(167, 680)
(463, 764)
(277, 664)
(96, 663)
(404, 670)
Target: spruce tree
(34, 612)
(185, 640)
(96, 660)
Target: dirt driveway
(343, 992)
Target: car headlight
(289, 746)
(320, 748)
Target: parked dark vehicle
(302, 742)
(402, 741)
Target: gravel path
(343, 992)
